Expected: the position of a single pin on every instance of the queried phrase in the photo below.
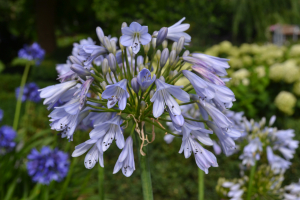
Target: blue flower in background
(1, 115)
(33, 52)
(7, 136)
(47, 165)
(30, 93)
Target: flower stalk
(250, 185)
(200, 184)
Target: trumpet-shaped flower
(144, 79)
(126, 159)
(116, 93)
(163, 96)
(177, 30)
(134, 35)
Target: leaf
(2, 66)
(21, 61)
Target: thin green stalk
(145, 170)
(162, 128)
(19, 101)
(250, 185)
(201, 184)
(46, 192)
(101, 182)
(181, 104)
(195, 120)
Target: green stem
(162, 128)
(250, 185)
(101, 182)
(19, 101)
(201, 184)
(195, 120)
(181, 104)
(145, 171)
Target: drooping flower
(116, 93)
(47, 165)
(7, 136)
(163, 96)
(134, 35)
(144, 79)
(126, 159)
(30, 92)
(33, 52)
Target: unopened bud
(165, 44)
(174, 46)
(143, 105)
(162, 78)
(105, 67)
(74, 60)
(173, 73)
(164, 57)
(180, 44)
(153, 41)
(100, 34)
(135, 85)
(151, 93)
(146, 59)
(124, 24)
(161, 36)
(158, 54)
(107, 44)
(112, 62)
(172, 58)
(146, 48)
(103, 85)
(80, 71)
(130, 51)
(114, 46)
(139, 60)
(121, 46)
(186, 53)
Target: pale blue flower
(134, 35)
(126, 159)
(177, 30)
(251, 152)
(277, 163)
(109, 130)
(94, 155)
(52, 93)
(144, 79)
(163, 96)
(217, 148)
(116, 93)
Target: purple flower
(47, 165)
(144, 79)
(7, 136)
(134, 35)
(30, 92)
(33, 52)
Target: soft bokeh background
(234, 29)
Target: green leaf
(21, 61)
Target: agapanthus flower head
(7, 137)
(113, 86)
(47, 165)
(32, 52)
(30, 93)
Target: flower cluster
(47, 165)
(292, 191)
(113, 86)
(33, 52)
(30, 92)
(7, 136)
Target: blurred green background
(259, 73)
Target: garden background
(233, 29)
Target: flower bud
(162, 78)
(165, 44)
(74, 60)
(114, 46)
(112, 62)
(174, 46)
(146, 48)
(186, 53)
(146, 59)
(130, 51)
(173, 73)
(100, 34)
(172, 58)
(103, 85)
(105, 67)
(180, 44)
(121, 46)
(143, 105)
(135, 85)
(153, 43)
(139, 60)
(161, 36)
(107, 44)
(158, 54)
(164, 57)
(124, 24)
(151, 93)
(82, 72)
